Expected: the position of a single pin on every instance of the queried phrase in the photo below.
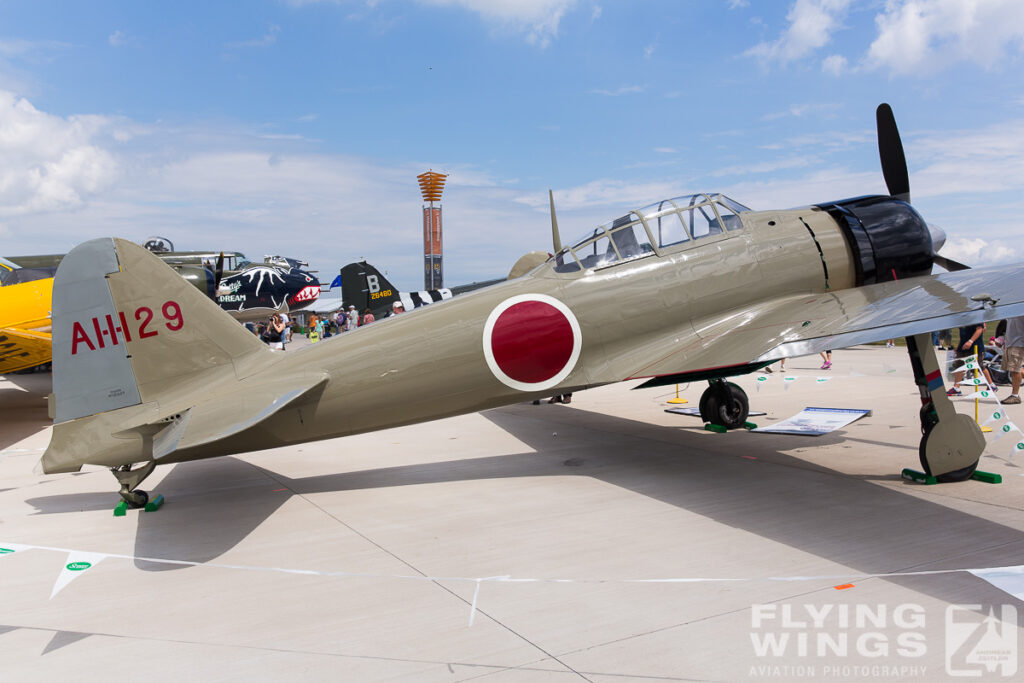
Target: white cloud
(266, 40)
(947, 167)
(813, 186)
(67, 180)
(834, 64)
(766, 167)
(19, 57)
(537, 19)
(828, 141)
(928, 35)
(121, 39)
(37, 48)
(118, 39)
(811, 24)
(48, 163)
(624, 90)
(976, 251)
(606, 194)
(970, 161)
(802, 109)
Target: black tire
(929, 418)
(703, 405)
(727, 405)
(136, 499)
(962, 474)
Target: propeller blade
(949, 264)
(219, 273)
(890, 153)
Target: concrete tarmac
(606, 540)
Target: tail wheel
(136, 499)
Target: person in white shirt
(287, 336)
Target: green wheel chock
(154, 503)
(121, 509)
(712, 427)
(987, 477)
(919, 477)
(749, 425)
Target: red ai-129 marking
(106, 329)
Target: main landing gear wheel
(724, 403)
(962, 474)
(945, 443)
(951, 442)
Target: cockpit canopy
(650, 230)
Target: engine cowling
(889, 239)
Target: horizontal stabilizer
(214, 420)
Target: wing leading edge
(742, 340)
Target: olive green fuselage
(430, 363)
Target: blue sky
(298, 127)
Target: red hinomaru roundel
(531, 342)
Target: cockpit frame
(658, 229)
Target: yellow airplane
(25, 338)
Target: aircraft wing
(21, 349)
(744, 339)
(25, 325)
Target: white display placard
(815, 421)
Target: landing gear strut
(952, 443)
(129, 479)
(724, 403)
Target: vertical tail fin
(128, 329)
(363, 286)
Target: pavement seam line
(426, 576)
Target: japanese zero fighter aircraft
(149, 371)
